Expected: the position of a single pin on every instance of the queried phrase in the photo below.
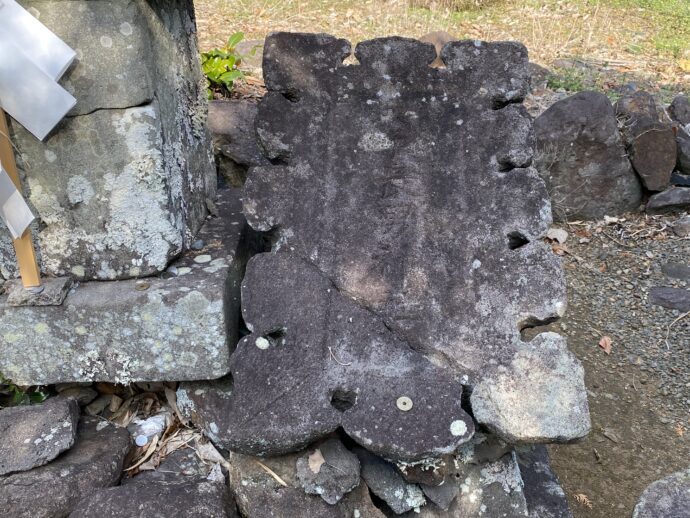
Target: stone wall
(122, 185)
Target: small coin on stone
(404, 403)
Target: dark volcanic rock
(329, 470)
(94, 462)
(680, 180)
(32, 436)
(670, 298)
(681, 228)
(679, 110)
(259, 493)
(150, 498)
(388, 484)
(676, 271)
(318, 374)
(651, 144)
(666, 498)
(234, 138)
(543, 492)
(670, 199)
(683, 164)
(581, 157)
(407, 221)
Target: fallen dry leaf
(583, 499)
(680, 430)
(605, 343)
(316, 460)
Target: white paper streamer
(45, 49)
(13, 209)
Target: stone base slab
(179, 326)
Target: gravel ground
(639, 393)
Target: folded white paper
(46, 50)
(13, 209)
(28, 94)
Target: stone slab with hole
(177, 326)
(407, 230)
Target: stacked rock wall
(121, 186)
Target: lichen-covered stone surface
(408, 251)
(539, 397)
(179, 326)
(32, 436)
(95, 461)
(581, 156)
(666, 498)
(121, 186)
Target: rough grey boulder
(269, 487)
(543, 492)
(153, 498)
(388, 484)
(50, 491)
(234, 138)
(178, 326)
(651, 144)
(673, 198)
(666, 498)
(121, 186)
(680, 180)
(581, 156)
(524, 401)
(34, 435)
(329, 470)
(407, 223)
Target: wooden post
(23, 247)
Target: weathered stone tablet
(408, 249)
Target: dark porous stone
(146, 499)
(83, 395)
(670, 298)
(683, 164)
(676, 271)
(543, 492)
(234, 138)
(673, 198)
(34, 435)
(259, 493)
(388, 484)
(94, 462)
(666, 498)
(679, 110)
(582, 158)
(651, 143)
(392, 276)
(491, 489)
(681, 228)
(329, 470)
(431, 472)
(317, 353)
(680, 180)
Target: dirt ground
(639, 394)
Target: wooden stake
(23, 247)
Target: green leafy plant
(13, 395)
(221, 66)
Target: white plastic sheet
(32, 58)
(14, 211)
(46, 50)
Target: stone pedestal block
(121, 185)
